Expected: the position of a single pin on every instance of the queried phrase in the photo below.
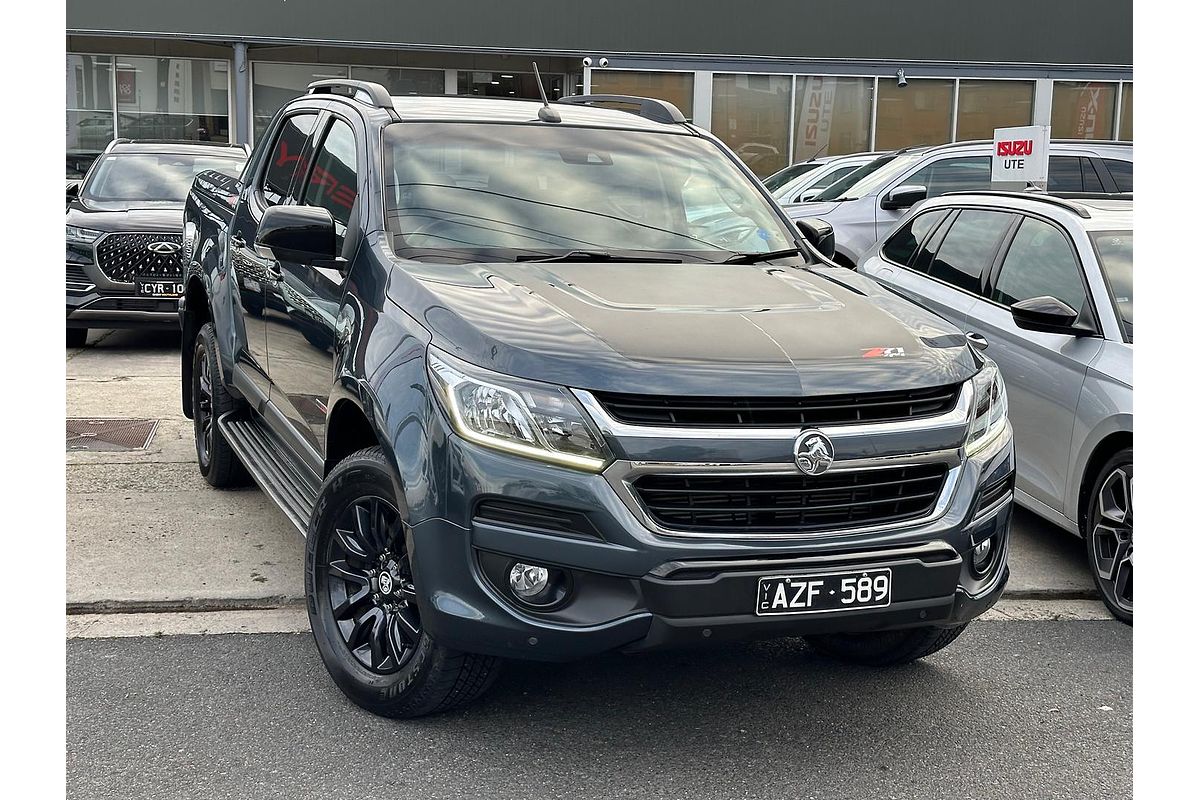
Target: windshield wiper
(754, 258)
(599, 255)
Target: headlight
(991, 408)
(76, 235)
(537, 420)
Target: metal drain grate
(110, 434)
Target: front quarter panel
(1105, 408)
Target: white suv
(866, 204)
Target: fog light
(981, 555)
(528, 581)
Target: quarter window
(285, 156)
(954, 175)
(904, 242)
(334, 181)
(1040, 262)
(969, 247)
(1122, 173)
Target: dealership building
(779, 81)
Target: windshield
(498, 192)
(788, 174)
(868, 178)
(152, 177)
(1114, 249)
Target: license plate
(828, 591)
(151, 287)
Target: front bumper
(637, 589)
(93, 301)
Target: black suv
(547, 380)
(124, 228)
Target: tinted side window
(1064, 175)
(334, 181)
(904, 242)
(969, 247)
(285, 156)
(1040, 262)
(1091, 178)
(1122, 173)
(954, 175)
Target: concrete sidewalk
(146, 533)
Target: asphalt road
(1034, 709)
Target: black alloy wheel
(370, 588)
(218, 462)
(204, 421)
(1110, 534)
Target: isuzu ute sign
(1021, 154)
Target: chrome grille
(790, 503)
(124, 256)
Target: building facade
(778, 81)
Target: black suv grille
(122, 256)
(791, 503)
(714, 412)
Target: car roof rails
(648, 107)
(368, 92)
(1059, 200)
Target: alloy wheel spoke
(365, 528)
(1114, 497)
(408, 625)
(360, 634)
(350, 543)
(396, 640)
(379, 639)
(346, 607)
(343, 570)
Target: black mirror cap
(902, 197)
(299, 234)
(73, 190)
(819, 234)
(1046, 314)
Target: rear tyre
(1108, 530)
(218, 463)
(76, 337)
(884, 648)
(362, 601)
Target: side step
(277, 472)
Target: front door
(303, 336)
(253, 276)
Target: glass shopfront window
(89, 110)
(984, 106)
(751, 114)
(918, 113)
(833, 116)
(1083, 110)
(276, 84)
(403, 81)
(509, 84)
(674, 87)
(172, 98)
(1125, 129)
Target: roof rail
(1061, 200)
(648, 107)
(373, 94)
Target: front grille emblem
(163, 248)
(814, 452)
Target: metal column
(241, 94)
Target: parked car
(554, 413)
(790, 173)
(124, 228)
(1048, 282)
(864, 206)
(827, 171)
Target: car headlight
(77, 235)
(531, 419)
(990, 410)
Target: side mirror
(72, 190)
(819, 234)
(1047, 315)
(902, 197)
(297, 234)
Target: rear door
(1044, 372)
(253, 276)
(303, 337)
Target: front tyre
(210, 400)
(1108, 529)
(884, 648)
(362, 601)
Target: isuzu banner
(1021, 154)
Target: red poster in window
(126, 86)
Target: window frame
(944, 211)
(990, 264)
(276, 128)
(329, 116)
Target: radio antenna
(545, 113)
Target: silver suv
(867, 203)
(1048, 282)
